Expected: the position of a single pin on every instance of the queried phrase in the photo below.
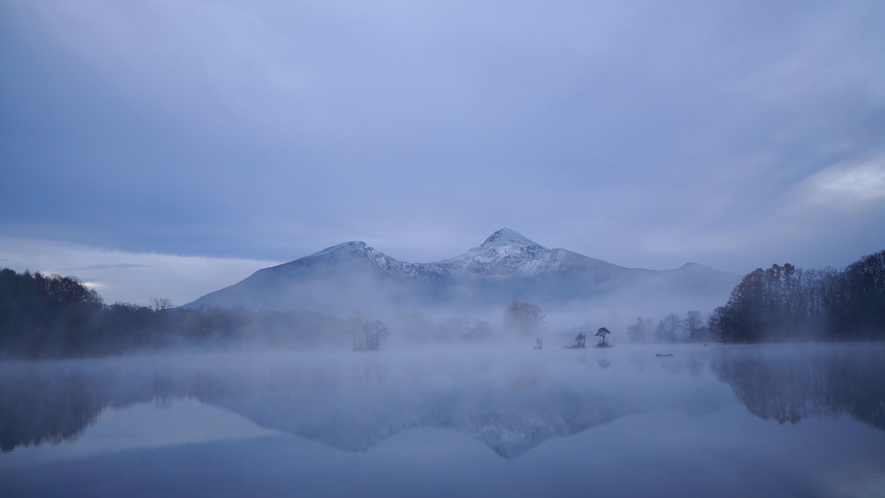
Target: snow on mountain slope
(507, 266)
(504, 254)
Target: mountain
(506, 267)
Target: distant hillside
(506, 267)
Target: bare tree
(367, 334)
(161, 303)
(524, 317)
(693, 323)
(668, 328)
(638, 332)
(375, 331)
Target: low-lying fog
(774, 420)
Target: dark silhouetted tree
(862, 310)
(161, 303)
(601, 333)
(57, 316)
(784, 303)
(580, 340)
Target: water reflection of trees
(509, 406)
(788, 387)
(52, 405)
(35, 411)
(352, 408)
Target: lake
(773, 420)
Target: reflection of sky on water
(558, 422)
(142, 426)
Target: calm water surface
(784, 420)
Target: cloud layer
(120, 276)
(647, 134)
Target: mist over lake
(415, 397)
(772, 420)
(442, 248)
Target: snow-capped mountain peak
(507, 237)
(506, 267)
(360, 250)
(344, 247)
(504, 254)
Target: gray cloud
(116, 278)
(100, 266)
(644, 133)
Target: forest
(53, 316)
(785, 303)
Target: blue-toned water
(775, 420)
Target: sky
(170, 148)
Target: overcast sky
(141, 138)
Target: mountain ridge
(506, 266)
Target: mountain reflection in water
(511, 403)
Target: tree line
(53, 316)
(671, 328)
(785, 303)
